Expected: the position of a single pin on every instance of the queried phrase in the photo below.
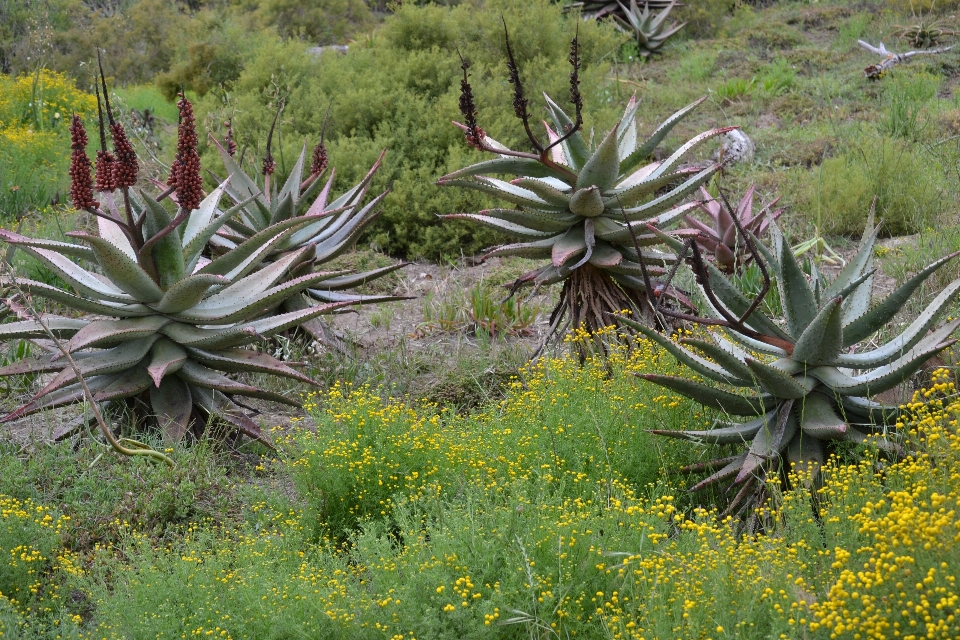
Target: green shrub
(319, 22)
(398, 90)
(909, 184)
(704, 17)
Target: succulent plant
(161, 323)
(808, 388)
(649, 29)
(582, 207)
(601, 8)
(721, 237)
(334, 228)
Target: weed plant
(546, 516)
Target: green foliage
(704, 18)
(909, 184)
(320, 22)
(398, 90)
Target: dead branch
(890, 59)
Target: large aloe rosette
(588, 210)
(810, 379)
(335, 225)
(168, 334)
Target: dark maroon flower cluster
(81, 184)
(228, 140)
(269, 165)
(105, 171)
(185, 172)
(319, 162)
(125, 169)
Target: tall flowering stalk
(81, 182)
(185, 171)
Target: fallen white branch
(890, 59)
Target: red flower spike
(185, 171)
(228, 140)
(81, 183)
(319, 162)
(105, 171)
(125, 169)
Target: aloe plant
(649, 29)
(808, 385)
(335, 225)
(585, 209)
(720, 237)
(158, 322)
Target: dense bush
(398, 89)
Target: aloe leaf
(731, 433)
(806, 456)
(125, 385)
(735, 367)
(122, 271)
(196, 374)
(512, 166)
(672, 197)
(78, 303)
(865, 325)
(770, 440)
(587, 202)
(245, 360)
(202, 216)
(547, 222)
(860, 264)
(26, 329)
(237, 261)
(687, 147)
(819, 420)
(612, 230)
(281, 322)
(291, 188)
(188, 292)
(173, 405)
(606, 257)
(822, 340)
(778, 383)
(729, 470)
(167, 254)
(101, 333)
(502, 225)
(61, 397)
(574, 148)
(505, 191)
(64, 248)
(190, 335)
(570, 245)
(646, 149)
(547, 192)
(112, 233)
(602, 168)
(239, 180)
(799, 305)
(113, 360)
(535, 249)
(166, 356)
(700, 365)
(713, 398)
(629, 196)
(346, 236)
(40, 364)
(355, 195)
(907, 340)
(627, 132)
(216, 404)
(251, 286)
(865, 409)
(880, 379)
(729, 295)
(357, 279)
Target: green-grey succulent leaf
(61, 397)
(672, 197)
(667, 165)
(253, 285)
(198, 375)
(349, 280)
(123, 271)
(645, 150)
(806, 456)
(822, 340)
(537, 220)
(865, 409)
(241, 260)
(282, 210)
(65, 248)
(356, 194)
(188, 292)
(267, 327)
(82, 280)
(190, 335)
(166, 356)
(244, 361)
(546, 191)
(627, 131)
(240, 182)
(629, 196)
(818, 418)
(105, 333)
(502, 225)
(602, 168)
(703, 367)
(119, 358)
(880, 379)
(40, 364)
(574, 148)
(799, 305)
(714, 398)
(727, 471)
(172, 403)
(570, 245)
(720, 353)
(535, 249)
(907, 340)
(770, 440)
(859, 328)
(339, 242)
(858, 265)
(730, 433)
(505, 191)
(166, 253)
(203, 215)
(79, 303)
(587, 202)
(291, 188)
(778, 383)
(606, 257)
(215, 403)
(513, 166)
